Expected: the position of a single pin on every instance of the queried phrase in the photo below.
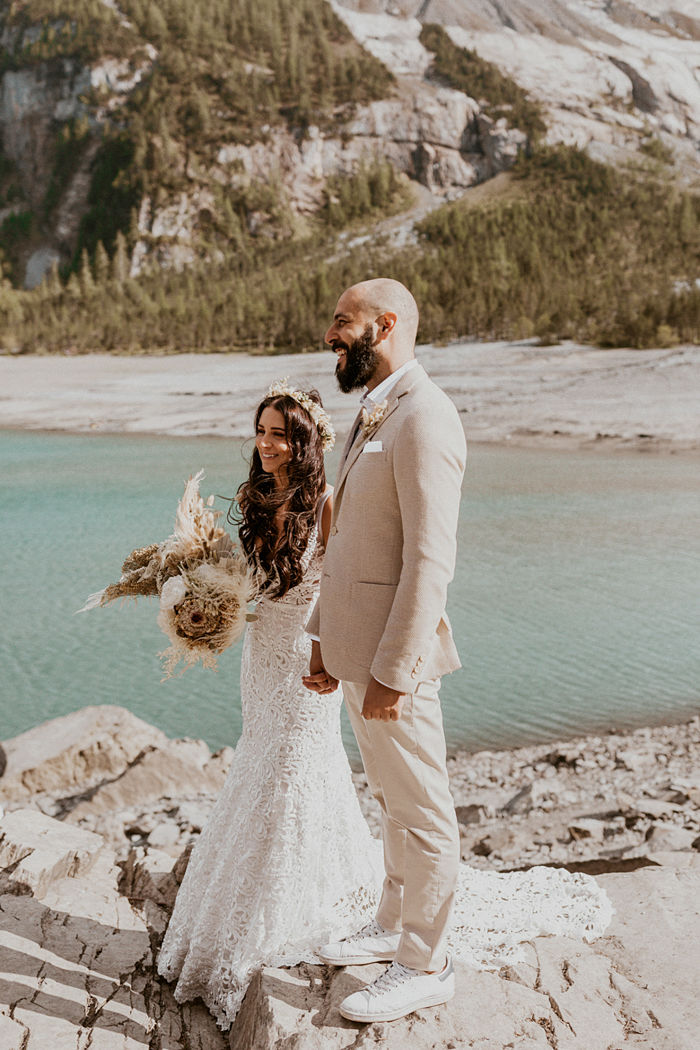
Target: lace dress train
(286, 861)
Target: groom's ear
(385, 323)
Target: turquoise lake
(576, 602)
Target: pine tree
(11, 312)
(102, 268)
(156, 28)
(134, 232)
(53, 281)
(73, 288)
(87, 282)
(120, 261)
(687, 222)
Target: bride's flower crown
(319, 415)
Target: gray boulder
(74, 752)
(36, 851)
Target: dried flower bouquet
(203, 582)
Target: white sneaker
(399, 991)
(370, 944)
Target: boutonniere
(371, 420)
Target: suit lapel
(353, 449)
(353, 452)
(356, 423)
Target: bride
(286, 862)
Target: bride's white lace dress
(286, 861)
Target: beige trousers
(407, 774)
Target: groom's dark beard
(361, 362)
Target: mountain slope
(207, 187)
(606, 73)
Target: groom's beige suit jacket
(392, 545)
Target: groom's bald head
(383, 295)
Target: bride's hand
(318, 680)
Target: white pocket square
(373, 446)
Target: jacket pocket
(370, 608)
(370, 591)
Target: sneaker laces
(392, 977)
(372, 929)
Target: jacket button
(334, 530)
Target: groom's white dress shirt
(371, 399)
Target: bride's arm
(318, 680)
(326, 516)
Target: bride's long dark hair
(259, 500)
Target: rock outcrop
(85, 899)
(428, 132)
(35, 852)
(77, 951)
(423, 118)
(81, 750)
(608, 78)
(618, 992)
(76, 958)
(611, 801)
(36, 102)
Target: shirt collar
(372, 398)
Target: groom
(380, 627)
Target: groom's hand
(318, 680)
(382, 703)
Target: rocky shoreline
(101, 810)
(598, 800)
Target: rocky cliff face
(435, 135)
(40, 102)
(608, 73)
(35, 102)
(428, 131)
